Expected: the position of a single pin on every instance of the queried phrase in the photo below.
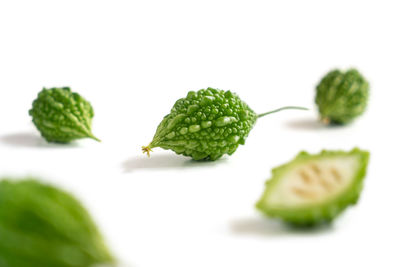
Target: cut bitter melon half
(315, 188)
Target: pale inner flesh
(314, 181)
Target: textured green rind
(318, 212)
(205, 125)
(342, 96)
(42, 226)
(61, 115)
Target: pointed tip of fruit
(325, 120)
(147, 150)
(94, 138)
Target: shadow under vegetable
(272, 228)
(166, 161)
(311, 124)
(30, 140)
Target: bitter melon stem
(279, 109)
(147, 149)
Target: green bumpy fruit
(312, 189)
(42, 226)
(342, 96)
(206, 124)
(62, 116)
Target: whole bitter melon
(206, 124)
(62, 116)
(315, 188)
(342, 96)
(43, 226)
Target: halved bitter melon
(315, 188)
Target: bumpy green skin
(205, 125)
(42, 226)
(342, 96)
(314, 214)
(62, 116)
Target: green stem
(279, 109)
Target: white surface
(133, 59)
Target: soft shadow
(30, 140)
(117, 264)
(311, 124)
(165, 161)
(268, 227)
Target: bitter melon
(206, 124)
(62, 116)
(43, 226)
(342, 96)
(315, 188)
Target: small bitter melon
(342, 96)
(43, 226)
(206, 124)
(62, 116)
(315, 188)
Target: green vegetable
(315, 188)
(42, 226)
(342, 96)
(206, 125)
(62, 116)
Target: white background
(133, 59)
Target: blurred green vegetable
(62, 116)
(42, 226)
(342, 96)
